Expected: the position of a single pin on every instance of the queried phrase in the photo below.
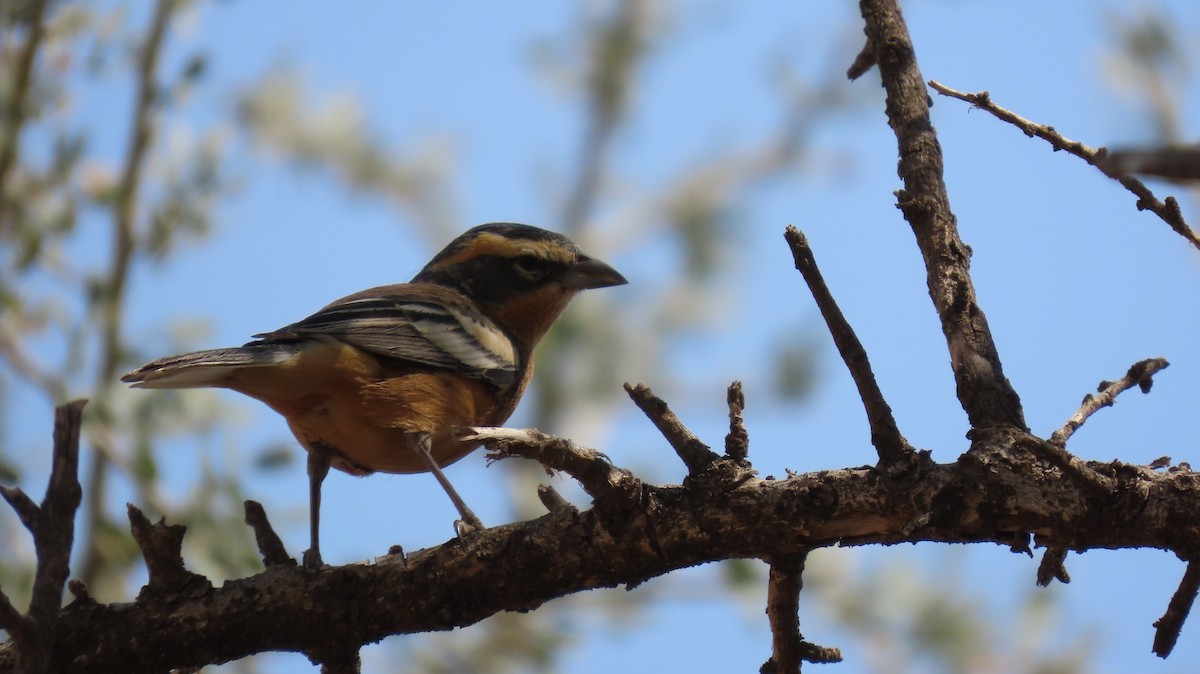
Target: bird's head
(521, 276)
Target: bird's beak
(589, 273)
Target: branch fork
(52, 524)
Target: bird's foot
(312, 559)
(466, 527)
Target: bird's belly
(344, 399)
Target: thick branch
(1168, 210)
(637, 534)
(339, 661)
(985, 394)
(885, 435)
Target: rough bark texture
(997, 492)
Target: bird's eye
(528, 264)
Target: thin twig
(695, 454)
(889, 443)
(1167, 628)
(788, 647)
(737, 441)
(1140, 374)
(11, 620)
(595, 473)
(1052, 567)
(862, 63)
(24, 506)
(986, 395)
(162, 548)
(269, 545)
(784, 583)
(554, 501)
(1168, 210)
(14, 107)
(810, 652)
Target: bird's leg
(319, 457)
(421, 443)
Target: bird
(384, 379)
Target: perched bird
(382, 379)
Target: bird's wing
(415, 323)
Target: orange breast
(345, 399)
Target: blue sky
(1076, 283)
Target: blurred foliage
(334, 137)
(1150, 66)
(910, 617)
(63, 335)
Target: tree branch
(985, 394)
(788, 647)
(162, 548)
(269, 544)
(53, 527)
(338, 661)
(695, 454)
(863, 62)
(1167, 628)
(598, 476)
(737, 441)
(891, 446)
(785, 580)
(1168, 211)
(636, 531)
(1140, 374)
(1054, 449)
(1052, 567)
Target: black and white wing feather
(415, 323)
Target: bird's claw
(465, 528)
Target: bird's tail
(208, 368)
